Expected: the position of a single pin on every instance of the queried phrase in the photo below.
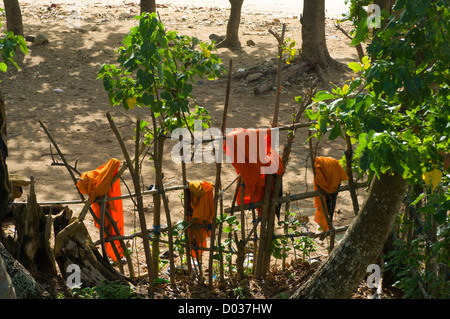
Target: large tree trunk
(148, 6)
(6, 287)
(24, 285)
(231, 40)
(5, 187)
(346, 267)
(13, 17)
(314, 46)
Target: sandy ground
(57, 83)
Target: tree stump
(74, 246)
(33, 232)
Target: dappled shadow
(58, 84)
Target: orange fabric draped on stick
(202, 203)
(97, 183)
(253, 157)
(329, 175)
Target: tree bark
(314, 46)
(23, 283)
(346, 267)
(231, 40)
(148, 6)
(6, 287)
(73, 245)
(13, 17)
(5, 187)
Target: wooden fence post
(135, 177)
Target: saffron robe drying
(253, 157)
(329, 175)
(97, 183)
(202, 204)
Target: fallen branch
(290, 72)
(337, 230)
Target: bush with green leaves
(282, 246)
(158, 70)
(396, 111)
(106, 290)
(8, 45)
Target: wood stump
(73, 245)
(33, 228)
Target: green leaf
(356, 67)
(147, 99)
(441, 216)
(335, 132)
(323, 122)
(361, 145)
(323, 95)
(3, 67)
(22, 44)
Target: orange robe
(329, 175)
(97, 183)
(246, 159)
(202, 203)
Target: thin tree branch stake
(218, 183)
(280, 40)
(135, 178)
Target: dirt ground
(57, 84)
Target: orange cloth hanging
(97, 183)
(202, 203)
(329, 175)
(251, 153)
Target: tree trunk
(314, 46)
(24, 285)
(231, 40)
(6, 287)
(148, 6)
(13, 17)
(346, 267)
(5, 187)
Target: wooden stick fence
(266, 222)
(219, 195)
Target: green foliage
(179, 236)
(397, 106)
(282, 246)
(289, 48)
(112, 290)
(358, 15)
(158, 69)
(396, 111)
(8, 45)
(420, 261)
(230, 224)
